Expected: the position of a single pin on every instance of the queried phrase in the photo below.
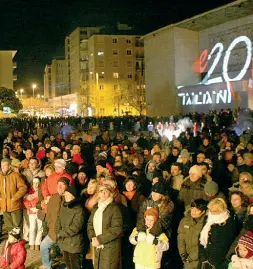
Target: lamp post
(21, 92)
(34, 87)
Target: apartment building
(7, 67)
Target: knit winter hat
(15, 232)
(64, 180)
(55, 149)
(195, 169)
(247, 241)
(211, 188)
(72, 190)
(159, 188)
(103, 155)
(101, 163)
(152, 212)
(82, 170)
(185, 153)
(36, 180)
(60, 163)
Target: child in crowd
(149, 248)
(244, 253)
(14, 252)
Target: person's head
(156, 148)
(177, 144)
(130, 185)
(198, 208)
(82, 176)
(48, 144)
(151, 167)
(59, 165)
(92, 187)
(201, 157)
(217, 206)
(248, 158)
(110, 181)
(206, 141)
(125, 154)
(100, 166)
(151, 216)
(36, 183)
(211, 189)
(228, 155)
(240, 159)
(157, 157)
(29, 154)
(70, 194)
(104, 193)
(49, 170)
(175, 151)
(5, 165)
(62, 185)
(238, 200)
(164, 156)
(195, 173)
(146, 152)
(245, 246)
(118, 157)
(33, 164)
(158, 191)
(205, 168)
(76, 149)
(247, 188)
(14, 235)
(175, 169)
(185, 156)
(66, 155)
(245, 176)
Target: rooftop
(220, 15)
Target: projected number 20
(219, 47)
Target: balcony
(14, 65)
(15, 77)
(139, 56)
(139, 44)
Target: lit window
(91, 54)
(114, 40)
(100, 53)
(129, 52)
(115, 75)
(115, 52)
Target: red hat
(152, 212)
(247, 241)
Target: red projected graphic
(201, 65)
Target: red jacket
(18, 255)
(49, 187)
(77, 159)
(31, 203)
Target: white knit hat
(60, 163)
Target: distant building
(47, 82)
(7, 67)
(202, 63)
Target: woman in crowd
(105, 230)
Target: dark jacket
(109, 256)
(221, 236)
(69, 227)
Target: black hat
(64, 180)
(82, 170)
(102, 163)
(72, 190)
(200, 204)
(159, 187)
(72, 168)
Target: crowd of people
(128, 203)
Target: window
(101, 87)
(115, 86)
(130, 75)
(100, 53)
(115, 63)
(115, 75)
(129, 64)
(101, 76)
(101, 64)
(102, 99)
(115, 52)
(102, 111)
(129, 52)
(128, 41)
(115, 40)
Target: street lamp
(38, 95)
(21, 92)
(34, 87)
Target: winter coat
(240, 263)
(53, 209)
(49, 187)
(221, 236)
(191, 191)
(188, 239)
(165, 217)
(77, 159)
(109, 256)
(31, 203)
(146, 253)
(30, 175)
(69, 227)
(18, 256)
(12, 190)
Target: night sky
(37, 28)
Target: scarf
(211, 219)
(129, 194)
(98, 217)
(6, 252)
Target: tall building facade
(7, 67)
